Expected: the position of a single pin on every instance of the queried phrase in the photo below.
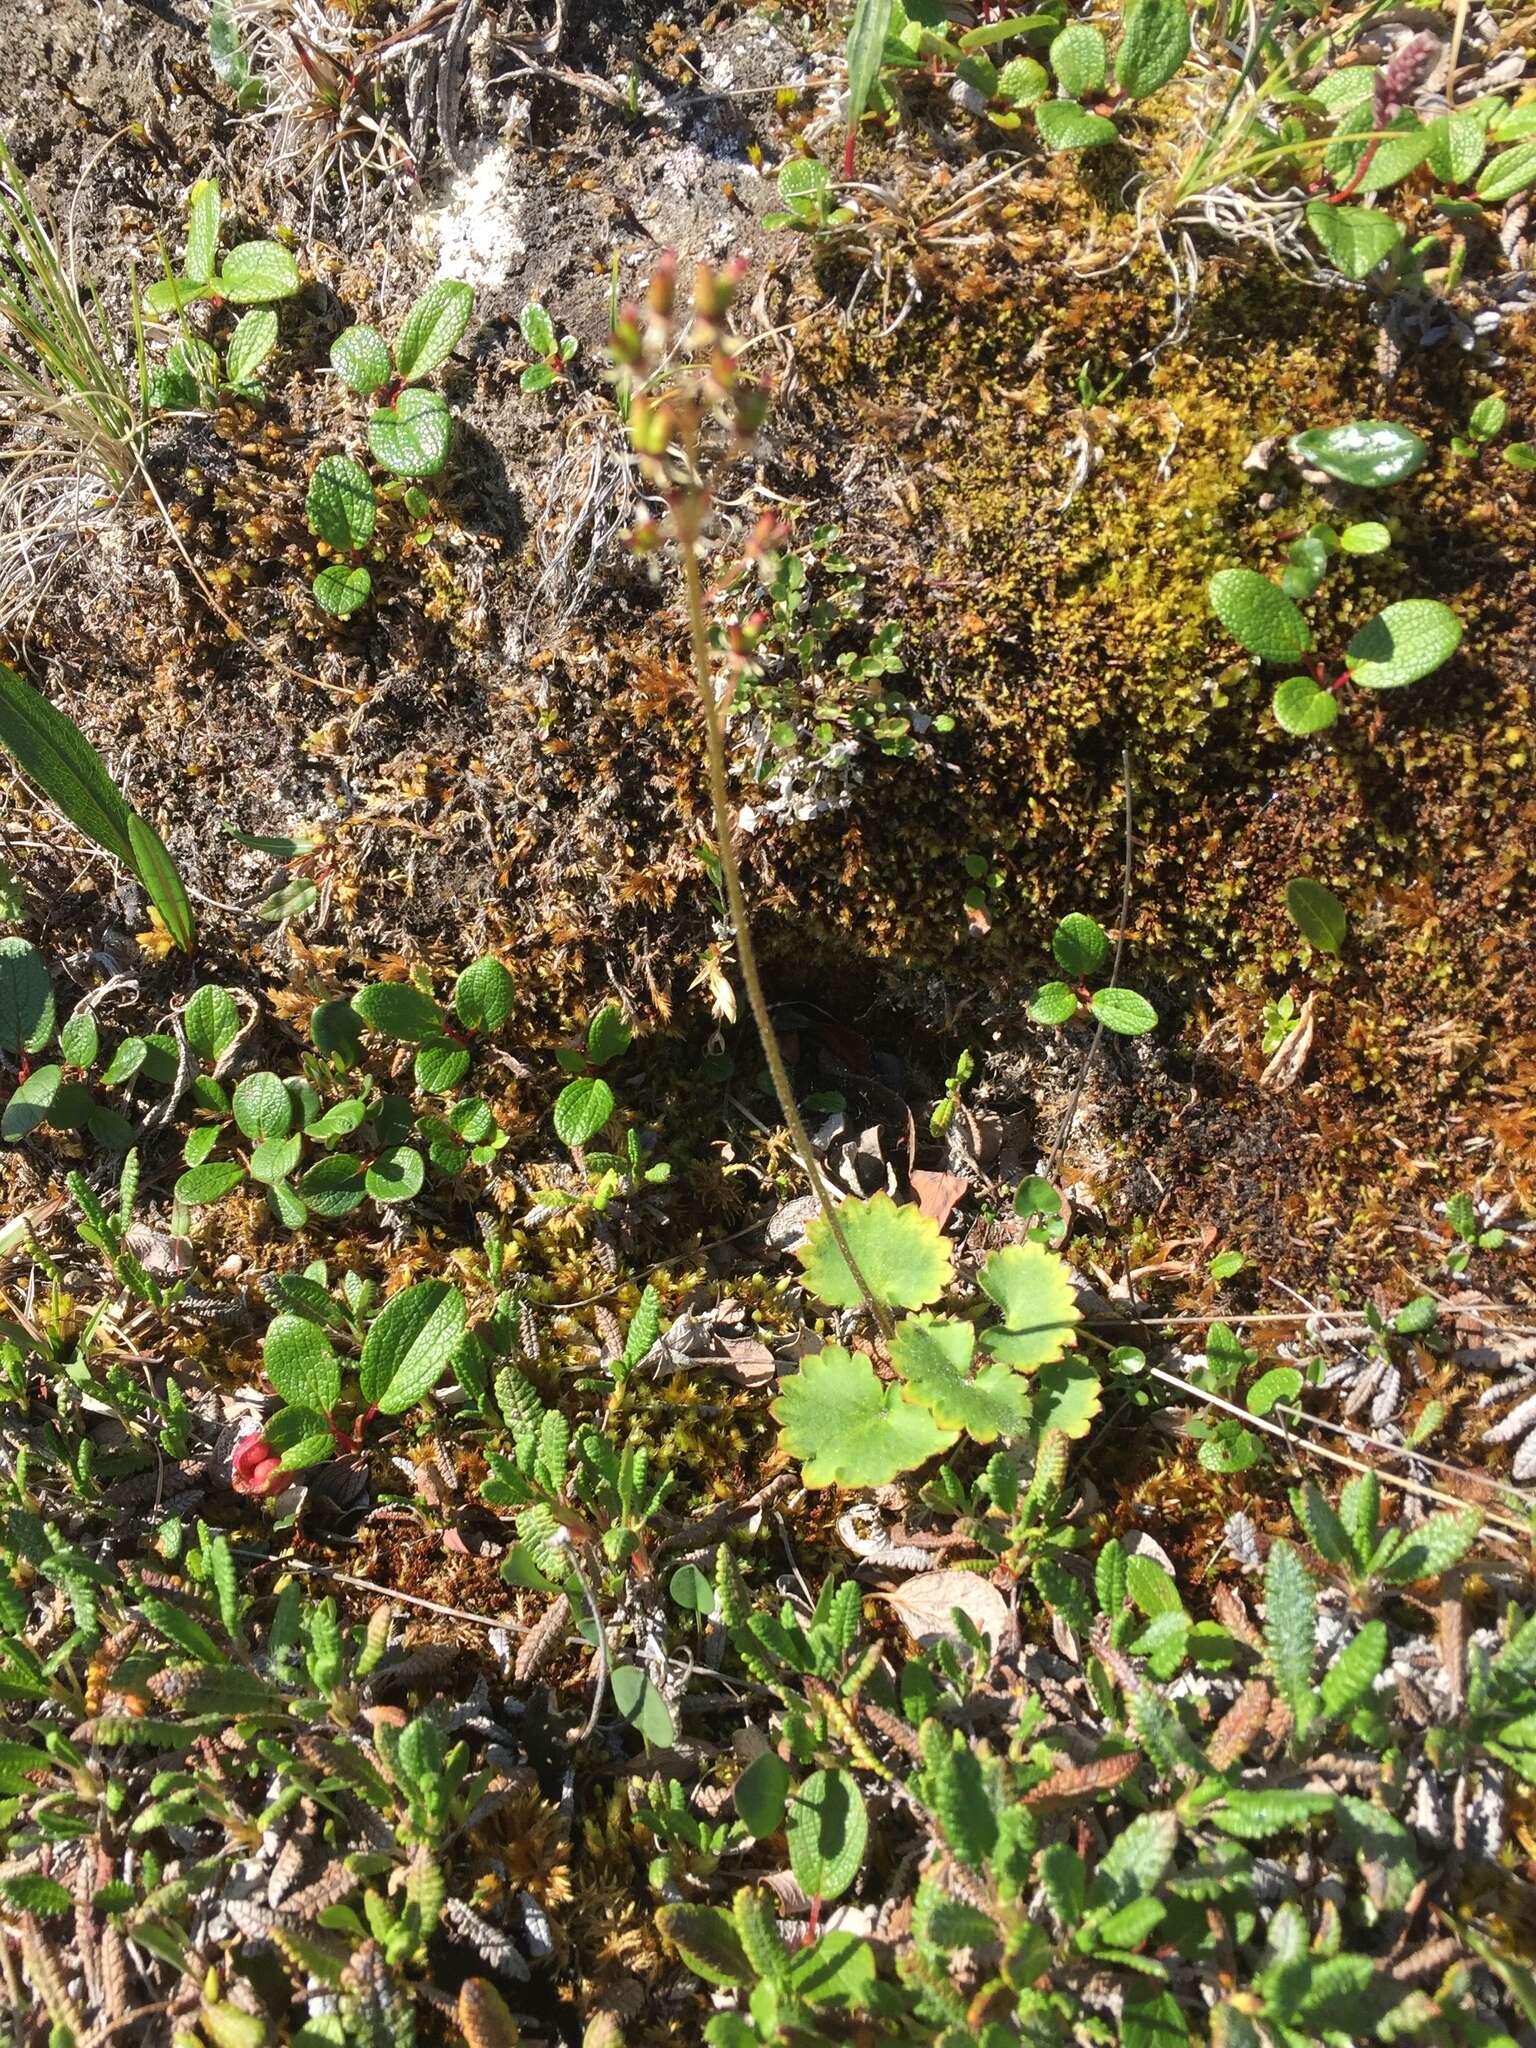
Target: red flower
(256, 1468)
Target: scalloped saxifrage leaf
(1033, 1288)
(1078, 59)
(1300, 707)
(1066, 1396)
(398, 1010)
(849, 1430)
(582, 1108)
(935, 1356)
(901, 1252)
(249, 346)
(1080, 944)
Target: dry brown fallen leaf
(1285, 1069)
(937, 1193)
(925, 1602)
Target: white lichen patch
(477, 231)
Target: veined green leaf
(57, 756)
(202, 230)
(431, 329)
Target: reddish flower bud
(256, 1469)
(768, 536)
(625, 341)
(663, 288)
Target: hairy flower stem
(736, 904)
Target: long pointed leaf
(866, 42)
(58, 757)
(157, 871)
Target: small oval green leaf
(1259, 615)
(360, 357)
(255, 273)
(1402, 644)
(431, 329)
(1367, 453)
(411, 437)
(340, 505)
(1316, 912)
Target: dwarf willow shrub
(323, 1141)
(552, 356)
(1081, 948)
(408, 434)
(994, 79)
(409, 429)
(253, 274)
(1401, 644)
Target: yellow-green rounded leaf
(1300, 707)
(360, 357)
(1066, 1397)
(1259, 615)
(935, 1357)
(1033, 1288)
(1402, 644)
(901, 1252)
(1064, 125)
(849, 1430)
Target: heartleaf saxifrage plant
(958, 1374)
(254, 274)
(1081, 946)
(1401, 644)
(408, 435)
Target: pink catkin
(1400, 76)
